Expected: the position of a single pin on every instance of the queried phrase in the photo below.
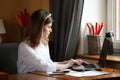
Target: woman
(33, 52)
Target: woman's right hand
(71, 62)
(66, 64)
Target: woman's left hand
(78, 61)
(82, 61)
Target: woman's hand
(66, 64)
(75, 61)
(82, 61)
(69, 63)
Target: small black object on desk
(109, 35)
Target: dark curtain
(74, 33)
(66, 26)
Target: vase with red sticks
(94, 43)
(23, 20)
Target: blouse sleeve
(33, 60)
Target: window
(113, 21)
(117, 20)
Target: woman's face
(47, 30)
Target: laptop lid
(104, 51)
(102, 59)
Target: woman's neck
(44, 41)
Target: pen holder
(94, 46)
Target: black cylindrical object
(110, 35)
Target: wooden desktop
(113, 73)
(3, 76)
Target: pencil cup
(94, 46)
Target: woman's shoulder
(24, 44)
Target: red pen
(26, 17)
(96, 28)
(89, 28)
(18, 20)
(93, 29)
(100, 28)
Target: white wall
(94, 11)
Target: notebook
(102, 59)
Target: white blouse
(37, 59)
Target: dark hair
(38, 19)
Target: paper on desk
(86, 73)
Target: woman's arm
(67, 64)
(63, 65)
(29, 58)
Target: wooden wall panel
(8, 10)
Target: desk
(44, 76)
(30, 77)
(3, 76)
(112, 61)
(96, 57)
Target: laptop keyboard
(89, 66)
(86, 67)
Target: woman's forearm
(60, 67)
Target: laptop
(102, 59)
